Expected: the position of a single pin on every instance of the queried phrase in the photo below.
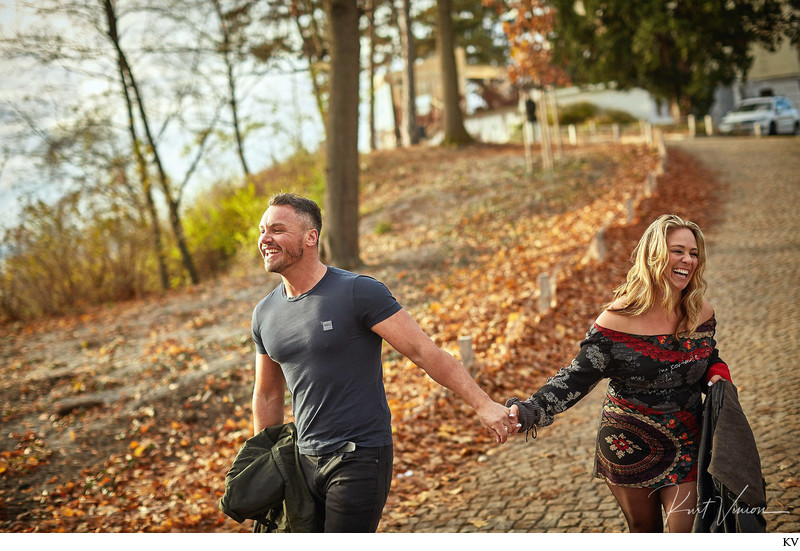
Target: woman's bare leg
(641, 506)
(680, 503)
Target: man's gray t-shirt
(330, 358)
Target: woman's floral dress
(650, 423)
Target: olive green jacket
(266, 484)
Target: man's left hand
(498, 420)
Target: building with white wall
(772, 74)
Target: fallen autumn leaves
(459, 236)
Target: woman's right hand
(514, 417)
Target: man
(320, 331)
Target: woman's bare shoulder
(708, 311)
(610, 318)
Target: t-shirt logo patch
(327, 326)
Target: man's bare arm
(406, 336)
(268, 394)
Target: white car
(773, 115)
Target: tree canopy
(476, 28)
(123, 106)
(678, 51)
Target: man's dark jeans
(350, 487)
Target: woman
(655, 344)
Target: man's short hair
(301, 205)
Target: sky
(286, 105)
(290, 114)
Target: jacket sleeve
(715, 364)
(253, 484)
(568, 385)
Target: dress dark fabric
(650, 423)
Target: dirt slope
(126, 418)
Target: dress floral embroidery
(621, 445)
(649, 426)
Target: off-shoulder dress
(650, 422)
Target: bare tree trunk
(341, 174)
(147, 190)
(675, 111)
(314, 40)
(454, 131)
(409, 131)
(174, 215)
(144, 178)
(226, 56)
(373, 141)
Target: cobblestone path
(754, 285)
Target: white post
(544, 125)
(662, 146)
(650, 184)
(551, 93)
(648, 133)
(709, 125)
(598, 247)
(692, 126)
(573, 135)
(545, 295)
(467, 354)
(554, 286)
(757, 130)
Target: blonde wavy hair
(647, 281)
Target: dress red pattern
(649, 426)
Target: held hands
(499, 420)
(515, 416)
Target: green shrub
(577, 113)
(615, 116)
(383, 227)
(101, 253)
(219, 223)
(223, 223)
(104, 251)
(584, 112)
